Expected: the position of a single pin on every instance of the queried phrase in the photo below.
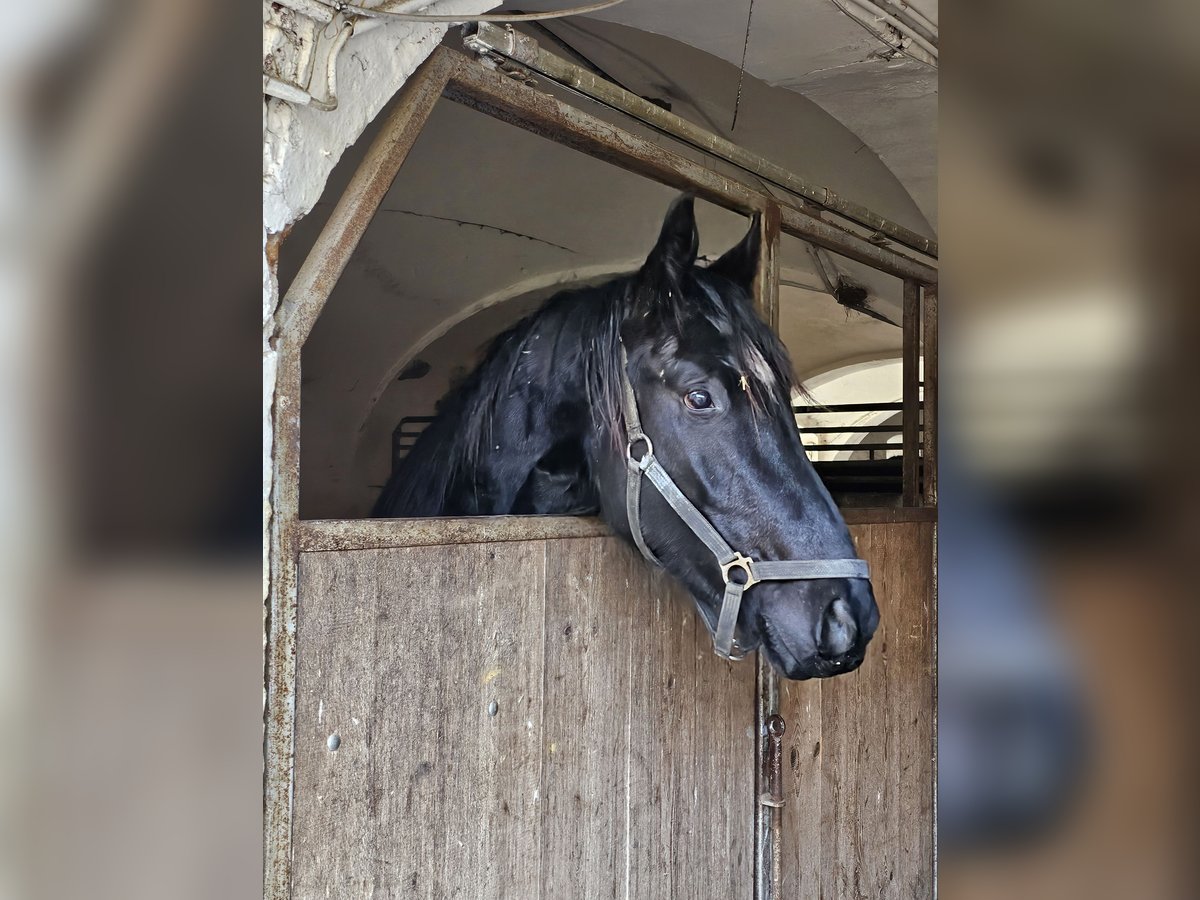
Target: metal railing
(888, 430)
(410, 428)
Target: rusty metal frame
(500, 44)
(463, 80)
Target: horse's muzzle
(818, 629)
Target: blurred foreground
(1069, 160)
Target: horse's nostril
(837, 630)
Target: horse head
(712, 385)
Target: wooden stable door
(546, 718)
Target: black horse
(541, 428)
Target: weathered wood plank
(588, 660)
(619, 760)
(401, 653)
(858, 749)
(320, 535)
(914, 655)
(655, 750)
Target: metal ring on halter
(744, 563)
(638, 440)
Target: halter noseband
(752, 571)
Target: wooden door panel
(858, 750)
(617, 759)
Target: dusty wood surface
(619, 760)
(378, 534)
(858, 751)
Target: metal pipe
(520, 48)
(302, 95)
(381, 12)
(910, 393)
(917, 18)
(903, 27)
(929, 330)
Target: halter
(734, 565)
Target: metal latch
(773, 763)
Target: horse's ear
(740, 263)
(678, 242)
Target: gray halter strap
(752, 571)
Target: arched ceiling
(483, 213)
(813, 48)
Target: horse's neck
(532, 459)
(517, 437)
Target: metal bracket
(494, 45)
(486, 37)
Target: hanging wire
(737, 104)
(368, 12)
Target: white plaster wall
(301, 145)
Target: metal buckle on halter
(744, 563)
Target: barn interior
(485, 221)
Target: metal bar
(523, 49)
(767, 817)
(544, 115)
(877, 445)
(310, 289)
(891, 406)
(801, 224)
(930, 404)
(766, 280)
(806, 429)
(849, 429)
(280, 706)
(910, 376)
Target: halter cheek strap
(739, 572)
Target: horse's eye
(698, 400)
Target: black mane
(559, 368)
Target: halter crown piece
(739, 571)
